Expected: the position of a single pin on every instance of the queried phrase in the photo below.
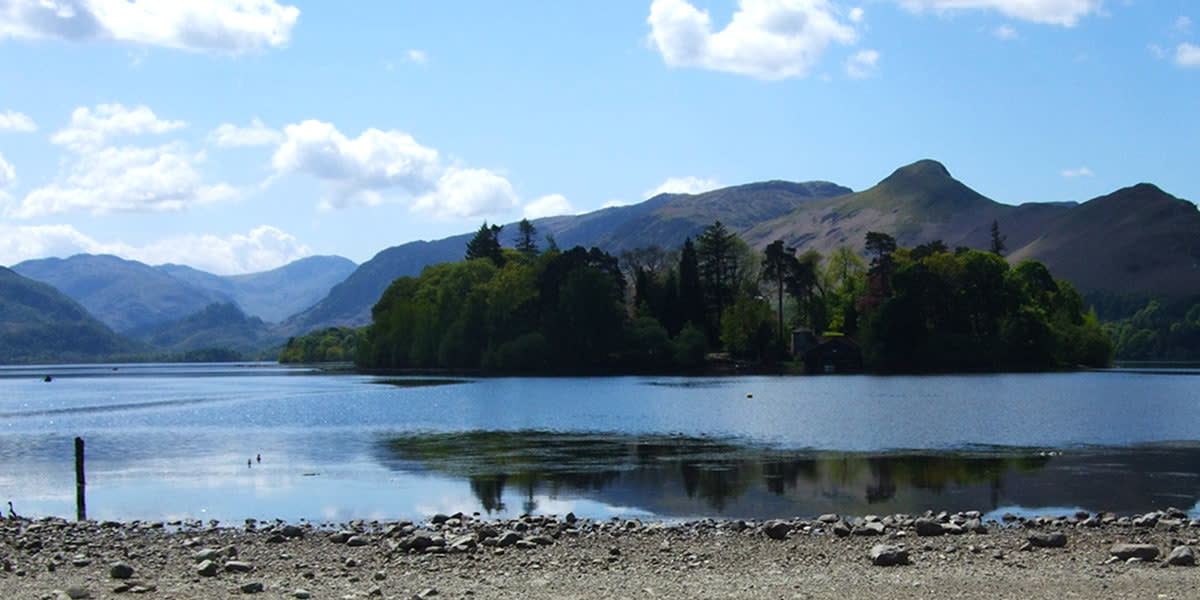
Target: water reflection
(680, 476)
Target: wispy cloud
(1187, 55)
(1080, 172)
(1005, 32)
(863, 64)
(15, 121)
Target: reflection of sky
(174, 440)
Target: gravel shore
(459, 556)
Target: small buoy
(259, 458)
(749, 395)
(48, 379)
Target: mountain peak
(925, 168)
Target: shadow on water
(677, 476)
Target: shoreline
(940, 555)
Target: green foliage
(335, 344)
(486, 244)
(526, 238)
(1161, 330)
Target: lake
(172, 442)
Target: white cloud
(418, 57)
(355, 170)
(863, 64)
(683, 185)
(548, 206)
(125, 179)
(1080, 172)
(468, 193)
(262, 248)
(92, 128)
(1005, 32)
(857, 14)
(15, 121)
(767, 39)
(1187, 55)
(8, 175)
(223, 26)
(1051, 12)
(228, 135)
(1183, 23)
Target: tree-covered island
(534, 310)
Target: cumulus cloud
(857, 14)
(262, 248)
(125, 179)
(222, 26)
(418, 57)
(1183, 23)
(465, 193)
(767, 39)
(863, 64)
(1080, 172)
(1187, 55)
(92, 128)
(548, 206)
(15, 121)
(682, 185)
(358, 171)
(355, 170)
(1051, 12)
(228, 135)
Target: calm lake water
(172, 441)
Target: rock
(276, 538)
(1139, 551)
(341, 537)
(357, 541)
(829, 518)
(292, 531)
(872, 528)
(570, 518)
(542, 540)
(777, 530)
(76, 592)
(841, 529)
(525, 545)
(253, 587)
(120, 570)
(439, 518)
(463, 542)
(1182, 556)
(426, 593)
(302, 594)
(206, 554)
(508, 538)
(928, 527)
(207, 568)
(883, 555)
(1056, 539)
(235, 566)
(379, 575)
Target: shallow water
(172, 441)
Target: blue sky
(238, 135)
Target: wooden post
(80, 482)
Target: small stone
(928, 527)
(207, 568)
(276, 538)
(379, 575)
(426, 593)
(1139, 551)
(357, 541)
(841, 529)
(542, 540)
(526, 545)
(302, 594)
(883, 555)
(120, 570)
(829, 518)
(292, 531)
(1182, 556)
(206, 554)
(235, 566)
(81, 561)
(1056, 539)
(873, 528)
(76, 592)
(341, 537)
(508, 538)
(376, 592)
(253, 587)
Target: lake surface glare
(172, 442)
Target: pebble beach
(934, 555)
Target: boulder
(1055, 539)
(928, 527)
(777, 530)
(883, 555)
(1139, 551)
(207, 568)
(120, 570)
(1182, 556)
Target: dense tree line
(335, 344)
(912, 309)
(1162, 329)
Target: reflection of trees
(713, 471)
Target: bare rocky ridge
(458, 556)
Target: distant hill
(664, 220)
(1139, 239)
(220, 325)
(276, 294)
(39, 323)
(124, 294)
(917, 203)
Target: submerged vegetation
(910, 309)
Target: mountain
(664, 220)
(220, 325)
(917, 203)
(39, 323)
(1139, 239)
(126, 295)
(276, 294)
